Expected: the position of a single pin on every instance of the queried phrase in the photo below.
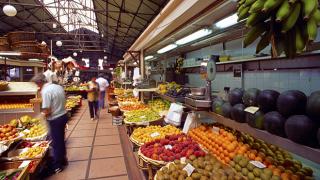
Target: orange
(252, 156)
(276, 171)
(285, 176)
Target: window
(73, 14)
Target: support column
(141, 63)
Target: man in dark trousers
(53, 109)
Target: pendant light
(59, 43)
(75, 54)
(9, 10)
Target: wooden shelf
(301, 150)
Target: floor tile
(106, 140)
(86, 121)
(76, 154)
(104, 132)
(75, 170)
(107, 151)
(79, 142)
(105, 126)
(83, 133)
(85, 126)
(107, 167)
(115, 178)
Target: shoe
(92, 119)
(57, 170)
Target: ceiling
(92, 28)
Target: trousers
(102, 99)
(93, 108)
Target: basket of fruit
(170, 148)
(143, 135)
(141, 117)
(36, 133)
(8, 133)
(4, 85)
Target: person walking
(93, 97)
(53, 110)
(103, 84)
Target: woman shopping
(93, 98)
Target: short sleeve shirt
(93, 95)
(103, 83)
(53, 98)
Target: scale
(207, 72)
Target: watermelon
(301, 129)
(274, 123)
(313, 105)
(267, 100)
(235, 96)
(238, 114)
(255, 120)
(226, 110)
(291, 102)
(250, 97)
(217, 105)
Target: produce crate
(24, 174)
(117, 120)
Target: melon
(217, 105)
(255, 120)
(267, 100)
(313, 105)
(274, 123)
(301, 129)
(250, 97)
(291, 102)
(238, 114)
(226, 110)
(235, 96)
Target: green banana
(257, 6)
(316, 16)
(264, 42)
(283, 12)
(308, 7)
(249, 2)
(243, 13)
(292, 19)
(241, 2)
(312, 29)
(300, 41)
(271, 4)
(255, 18)
(254, 33)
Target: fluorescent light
(196, 35)
(228, 21)
(167, 48)
(9, 53)
(148, 57)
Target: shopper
(93, 97)
(103, 84)
(53, 109)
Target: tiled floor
(94, 149)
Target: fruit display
(32, 152)
(289, 25)
(38, 130)
(142, 135)
(72, 101)
(11, 174)
(16, 106)
(171, 148)
(159, 105)
(123, 92)
(24, 121)
(144, 115)
(207, 167)
(8, 132)
(172, 89)
(133, 106)
(127, 99)
(81, 87)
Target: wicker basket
(18, 36)
(4, 85)
(4, 41)
(26, 47)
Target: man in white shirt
(53, 108)
(103, 84)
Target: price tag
(189, 168)
(24, 164)
(258, 164)
(183, 160)
(36, 144)
(142, 117)
(145, 123)
(251, 109)
(215, 129)
(168, 146)
(155, 134)
(26, 131)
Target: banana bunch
(289, 25)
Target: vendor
(53, 109)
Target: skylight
(73, 14)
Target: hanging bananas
(292, 24)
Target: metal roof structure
(94, 28)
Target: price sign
(183, 160)
(155, 134)
(24, 164)
(168, 146)
(251, 109)
(215, 129)
(258, 164)
(145, 123)
(189, 168)
(26, 131)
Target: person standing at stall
(53, 110)
(103, 84)
(93, 97)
